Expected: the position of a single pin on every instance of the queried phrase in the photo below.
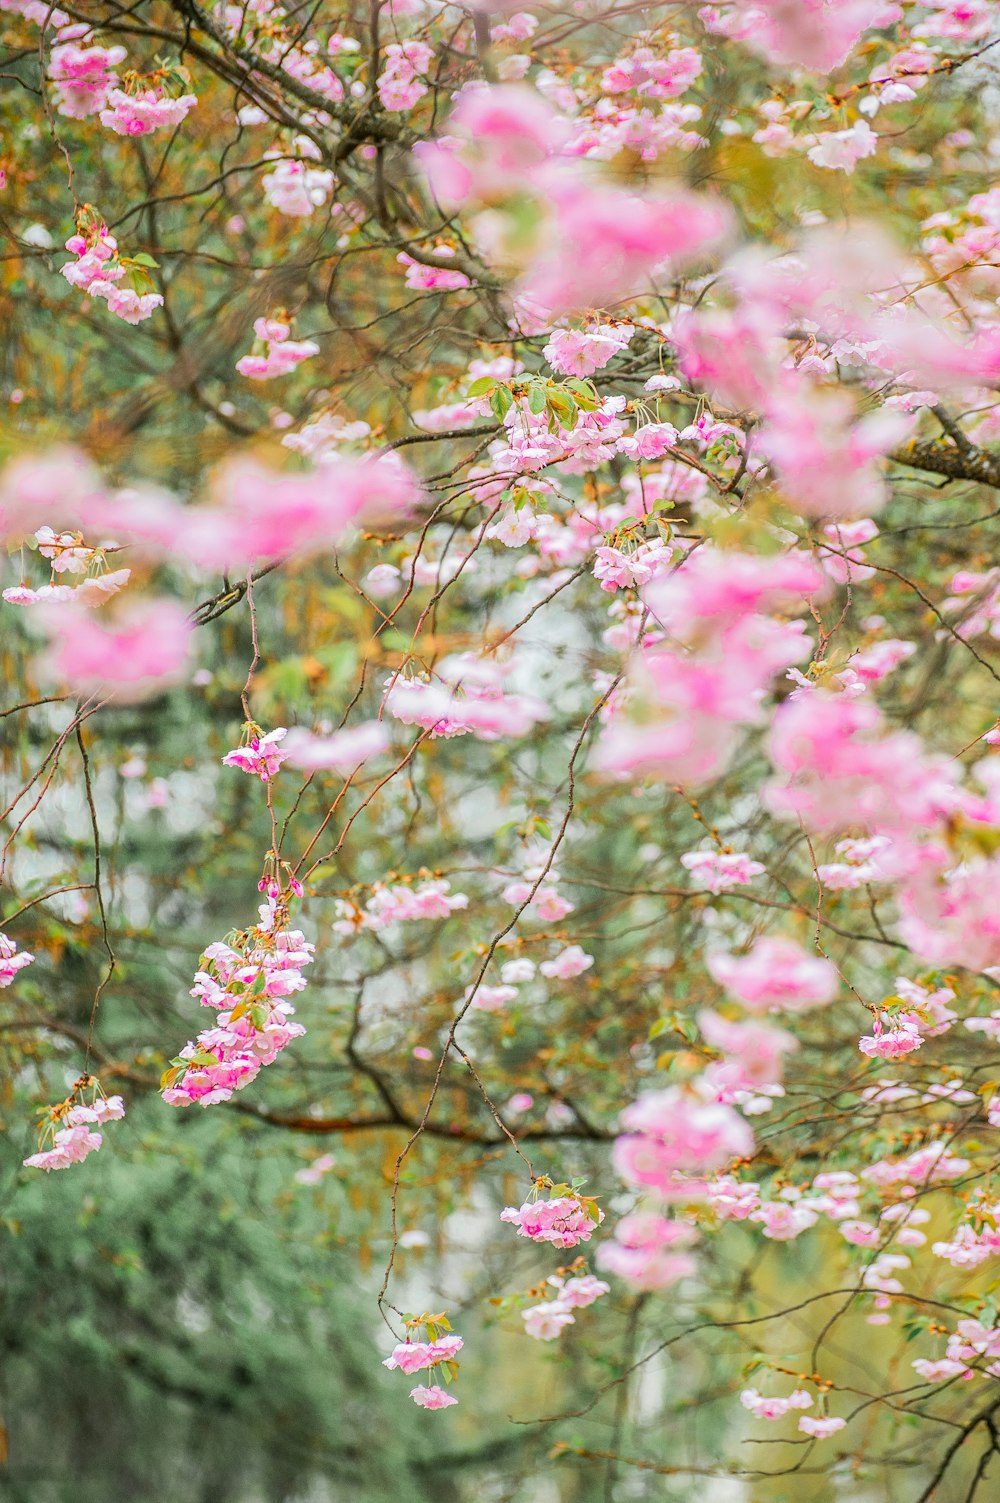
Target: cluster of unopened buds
(12, 960)
(436, 1355)
(99, 271)
(67, 553)
(564, 1220)
(247, 982)
(69, 1128)
(277, 354)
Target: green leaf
(480, 387)
(501, 402)
(536, 400)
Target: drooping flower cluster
(248, 983)
(67, 553)
(563, 1220)
(401, 82)
(12, 960)
(280, 354)
(83, 74)
(261, 755)
(99, 271)
(399, 902)
(69, 1127)
(137, 114)
(436, 1354)
(295, 187)
(548, 1320)
(701, 680)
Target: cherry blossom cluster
(145, 110)
(296, 187)
(99, 271)
(820, 1427)
(250, 511)
(81, 71)
(12, 960)
(422, 277)
(547, 1320)
(247, 982)
(436, 1354)
(973, 1348)
(537, 890)
(261, 755)
(719, 871)
(69, 1128)
(280, 354)
(466, 698)
(699, 680)
(399, 902)
(67, 553)
(401, 83)
(592, 242)
(563, 1220)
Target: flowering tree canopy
(501, 608)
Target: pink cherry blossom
(143, 653)
(295, 187)
(604, 243)
(776, 975)
(900, 1038)
(841, 150)
(400, 903)
(70, 1128)
(718, 871)
(756, 1050)
(671, 1130)
(816, 34)
(71, 1145)
(261, 756)
(83, 76)
(399, 83)
(547, 1321)
(581, 352)
(572, 961)
(774, 1408)
(649, 1251)
(563, 1221)
(414, 1356)
(253, 1022)
(138, 114)
(820, 1427)
(580, 1292)
(12, 960)
(783, 1221)
(340, 751)
(431, 1397)
(423, 278)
